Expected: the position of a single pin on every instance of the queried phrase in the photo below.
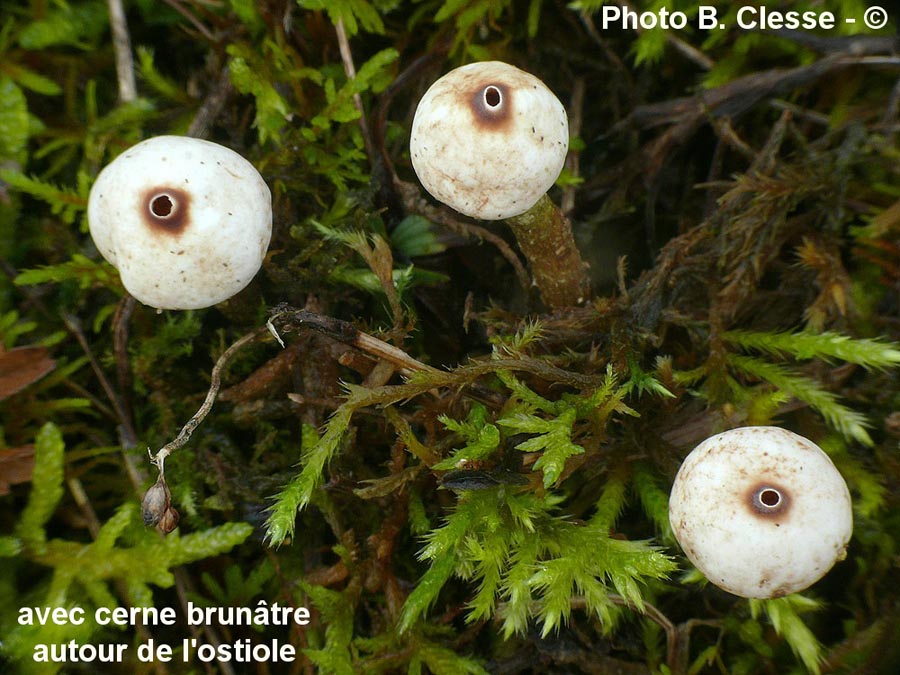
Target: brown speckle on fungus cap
(492, 106)
(166, 209)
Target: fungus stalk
(545, 239)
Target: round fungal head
(185, 221)
(488, 140)
(761, 511)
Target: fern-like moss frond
(868, 353)
(784, 613)
(534, 566)
(848, 422)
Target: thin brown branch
(345, 332)
(576, 116)
(212, 105)
(120, 323)
(195, 22)
(74, 326)
(413, 203)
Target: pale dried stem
(122, 48)
(348, 334)
(350, 71)
(215, 383)
(405, 364)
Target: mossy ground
(483, 486)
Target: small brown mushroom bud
(156, 502)
(761, 511)
(169, 520)
(185, 221)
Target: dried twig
(74, 326)
(350, 71)
(195, 22)
(122, 49)
(340, 330)
(215, 383)
(576, 115)
(346, 332)
(156, 502)
(121, 319)
(212, 105)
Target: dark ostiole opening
(769, 501)
(492, 96)
(162, 206)
(166, 209)
(769, 497)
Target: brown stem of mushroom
(545, 237)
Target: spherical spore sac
(186, 222)
(488, 140)
(761, 511)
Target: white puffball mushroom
(488, 140)
(185, 221)
(761, 511)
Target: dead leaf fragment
(16, 466)
(22, 366)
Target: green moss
(453, 477)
